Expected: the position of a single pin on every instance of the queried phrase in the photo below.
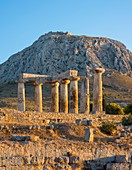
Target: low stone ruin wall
(39, 156)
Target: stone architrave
(55, 97)
(38, 97)
(74, 95)
(97, 90)
(85, 96)
(21, 96)
(64, 96)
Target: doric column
(38, 97)
(97, 89)
(74, 95)
(64, 96)
(85, 96)
(21, 96)
(55, 97)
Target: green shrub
(108, 127)
(113, 108)
(126, 121)
(128, 109)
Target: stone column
(38, 97)
(85, 96)
(64, 96)
(21, 96)
(55, 97)
(74, 95)
(97, 90)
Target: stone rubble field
(46, 141)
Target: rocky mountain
(56, 52)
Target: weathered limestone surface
(28, 76)
(89, 136)
(38, 97)
(21, 96)
(64, 96)
(30, 155)
(65, 75)
(85, 96)
(74, 95)
(25, 151)
(55, 97)
(119, 166)
(97, 90)
(56, 52)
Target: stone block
(77, 121)
(12, 161)
(118, 140)
(121, 159)
(34, 160)
(67, 74)
(19, 138)
(2, 168)
(118, 166)
(1, 138)
(74, 159)
(47, 121)
(89, 137)
(62, 159)
(54, 126)
(34, 138)
(90, 122)
(84, 122)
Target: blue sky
(24, 21)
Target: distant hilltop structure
(57, 52)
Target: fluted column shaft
(64, 96)
(38, 97)
(97, 89)
(55, 97)
(74, 95)
(85, 96)
(21, 96)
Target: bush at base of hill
(128, 109)
(126, 121)
(113, 108)
(108, 127)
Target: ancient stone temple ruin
(67, 100)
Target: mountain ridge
(56, 52)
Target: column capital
(53, 84)
(99, 70)
(38, 84)
(22, 81)
(74, 78)
(65, 81)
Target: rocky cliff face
(57, 52)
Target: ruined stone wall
(36, 155)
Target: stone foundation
(32, 155)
